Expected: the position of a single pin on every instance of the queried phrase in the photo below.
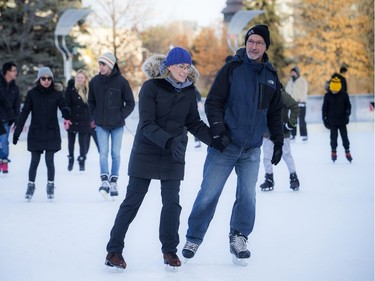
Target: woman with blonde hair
(76, 96)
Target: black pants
(35, 159)
(82, 141)
(169, 217)
(93, 135)
(344, 136)
(301, 122)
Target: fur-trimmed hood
(151, 67)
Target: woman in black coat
(167, 110)
(336, 110)
(76, 96)
(42, 102)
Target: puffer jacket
(164, 112)
(244, 100)
(110, 100)
(11, 93)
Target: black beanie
(262, 30)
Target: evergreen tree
(27, 37)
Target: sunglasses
(46, 78)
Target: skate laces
(238, 243)
(190, 246)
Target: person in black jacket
(76, 98)
(10, 113)
(243, 101)
(167, 110)
(336, 110)
(111, 101)
(42, 102)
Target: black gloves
(15, 139)
(326, 123)
(220, 142)
(287, 127)
(177, 145)
(277, 153)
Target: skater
(167, 110)
(238, 113)
(336, 110)
(297, 87)
(289, 116)
(111, 101)
(76, 98)
(10, 112)
(42, 102)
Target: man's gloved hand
(287, 127)
(221, 141)
(277, 153)
(177, 145)
(15, 139)
(326, 123)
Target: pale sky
(204, 12)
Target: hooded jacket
(297, 88)
(244, 100)
(11, 93)
(110, 100)
(44, 130)
(164, 112)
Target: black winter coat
(336, 108)
(79, 110)
(44, 130)
(111, 99)
(11, 93)
(164, 112)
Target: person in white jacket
(297, 87)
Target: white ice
(325, 231)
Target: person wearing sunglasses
(43, 102)
(167, 110)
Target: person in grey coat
(42, 102)
(167, 110)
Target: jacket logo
(271, 82)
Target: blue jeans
(4, 143)
(217, 168)
(103, 141)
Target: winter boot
(115, 260)
(105, 186)
(70, 163)
(1, 165)
(238, 245)
(334, 155)
(113, 189)
(347, 155)
(189, 249)
(81, 163)
(294, 182)
(171, 260)
(268, 183)
(30, 190)
(4, 166)
(50, 190)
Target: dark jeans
(82, 140)
(169, 218)
(35, 159)
(301, 122)
(344, 137)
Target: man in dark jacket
(111, 101)
(243, 101)
(10, 112)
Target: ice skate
(50, 190)
(171, 261)
(238, 248)
(81, 163)
(334, 156)
(268, 183)
(4, 166)
(348, 156)
(70, 163)
(105, 187)
(30, 191)
(114, 262)
(113, 188)
(294, 182)
(189, 250)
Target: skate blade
(106, 195)
(267, 189)
(171, 268)
(240, 262)
(113, 269)
(185, 260)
